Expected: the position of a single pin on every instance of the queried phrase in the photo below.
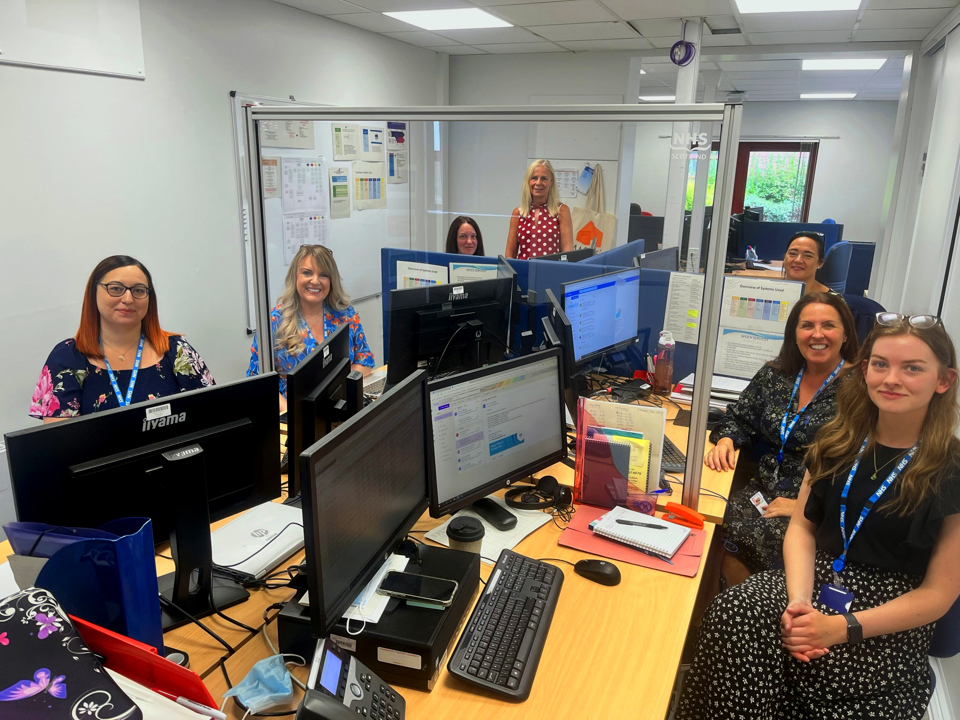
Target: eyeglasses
(890, 319)
(115, 289)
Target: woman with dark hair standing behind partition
(464, 237)
(804, 256)
(120, 354)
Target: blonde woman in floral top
(120, 354)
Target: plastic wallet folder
(577, 535)
(606, 469)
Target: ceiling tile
(790, 21)
(458, 50)
(759, 65)
(609, 46)
(587, 31)
(654, 66)
(764, 75)
(658, 28)
(645, 9)
(902, 19)
(493, 3)
(375, 22)
(898, 4)
(790, 38)
(532, 47)
(722, 22)
(322, 7)
(554, 13)
(401, 5)
(420, 37)
(709, 40)
(486, 36)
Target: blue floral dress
(71, 385)
(360, 353)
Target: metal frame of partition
(728, 115)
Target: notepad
(662, 542)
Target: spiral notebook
(664, 542)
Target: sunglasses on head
(890, 319)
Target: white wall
(94, 166)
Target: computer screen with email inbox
(603, 311)
(490, 428)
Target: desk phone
(340, 686)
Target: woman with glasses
(463, 237)
(786, 402)
(312, 306)
(804, 256)
(870, 554)
(120, 354)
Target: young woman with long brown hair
(870, 553)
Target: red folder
(579, 536)
(142, 664)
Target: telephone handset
(341, 687)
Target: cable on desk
(213, 604)
(208, 631)
(703, 491)
(556, 560)
(265, 546)
(564, 513)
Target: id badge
(835, 598)
(758, 502)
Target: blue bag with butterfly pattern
(109, 579)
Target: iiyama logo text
(163, 421)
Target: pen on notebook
(641, 524)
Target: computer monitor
(319, 395)
(604, 312)
(364, 486)
(569, 256)
(755, 214)
(183, 461)
(447, 328)
(733, 237)
(492, 426)
(646, 228)
(666, 259)
(558, 332)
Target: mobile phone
(408, 586)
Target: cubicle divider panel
(770, 239)
(861, 268)
(654, 285)
(619, 256)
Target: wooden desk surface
(610, 652)
(769, 274)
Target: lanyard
(133, 375)
(786, 429)
(841, 562)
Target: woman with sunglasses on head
(870, 554)
(120, 354)
(804, 256)
(786, 402)
(312, 306)
(464, 237)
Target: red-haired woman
(120, 354)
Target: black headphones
(547, 494)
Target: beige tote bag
(592, 222)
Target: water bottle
(663, 373)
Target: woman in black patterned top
(787, 401)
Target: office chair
(833, 274)
(945, 642)
(864, 312)
(635, 209)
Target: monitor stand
(191, 587)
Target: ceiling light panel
(827, 96)
(844, 64)
(777, 6)
(456, 19)
(658, 98)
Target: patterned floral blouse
(540, 236)
(285, 361)
(71, 385)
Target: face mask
(265, 686)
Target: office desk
(769, 274)
(612, 652)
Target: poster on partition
(397, 168)
(345, 141)
(339, 192)
(270, 177)
(757, 303)
(372, 143)
(684, 301)
(303, 184)
(741, 353)
(302, 229)
(369, 185)
(287, 134)
(397, 136)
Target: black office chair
(864, 314)
(635, 209)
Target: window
(777, 177)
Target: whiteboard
(356, 240)
(97, 36)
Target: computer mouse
(714, 415)
(600, 571)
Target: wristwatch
(854, 629)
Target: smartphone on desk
(419, 588)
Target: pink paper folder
(578, 535)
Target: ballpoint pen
(641, 524)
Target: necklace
(876, 469)
(121, 355)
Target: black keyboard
(501, 646)
(671, 459)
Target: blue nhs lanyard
(841, 562)
(133, 375)
(786, 429)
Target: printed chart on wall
(753, 316)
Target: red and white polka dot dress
(538, 233)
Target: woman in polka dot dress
(542, 224)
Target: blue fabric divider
(621, 256)
(770, 239)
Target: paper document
(411, 274)
(345, 139)
(496, 540)
(566, 183)
(369, 185)
(287, 134)
(397, 168)
(372, 143)
(742, 353)
(306, 229)
(153, 705)
(270, 177)
(465, 272)
(397, 136)
(303, 184)
(339, 191)
(684, 300)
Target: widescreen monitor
(560, 334)
(492, 426)
(364, 486)
(666, 259)
(320, 394)
(183, 461)
(604, 312)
